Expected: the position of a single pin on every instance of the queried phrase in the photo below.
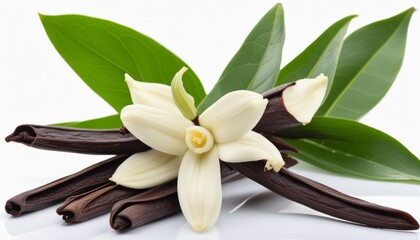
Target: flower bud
(292, 104)
(183, 100)
(303, 99)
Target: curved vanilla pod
(77, 140)
(160, 201)
(325, 199)
(87, 205)
(56, 191)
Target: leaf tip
(412, 9)
(408, 12)
(41, 16)
(348, 18)
(278, 7)
(353, 16)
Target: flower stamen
(199, 139)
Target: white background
(38, 87)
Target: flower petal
(233, 115)
(151, 94)
(251, 147)
(303, 99)
(160, 130)
(200, 189)
(147, 169)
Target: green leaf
(100, 52)
(351, 148)
(368, 65)
(319, 57)
(112, 121)
(256, 64)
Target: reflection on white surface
(26, 223)
(108, 235)
(186, 232)
(242, 203)
(62, 231)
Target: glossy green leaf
(100, 52)
(319, 57)
(368, 65)
(107, 122)
(256, 64)
(351, 148)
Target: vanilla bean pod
(160, 202)
(56, 191)
(77, 140)
(84, 206)
(325, 199)
(112, 141)
(156, 203)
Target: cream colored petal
(200, 189)
(160, 130)
(147, 169)
(251, 147)
(303, 99)
(233, 115)
(151, 94)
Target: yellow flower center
(199, 139)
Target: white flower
(224, 132)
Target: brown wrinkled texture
(156, 203)
(77, 140)
(89, 204)
(56, 191)
(325, 199)
(81, 207)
